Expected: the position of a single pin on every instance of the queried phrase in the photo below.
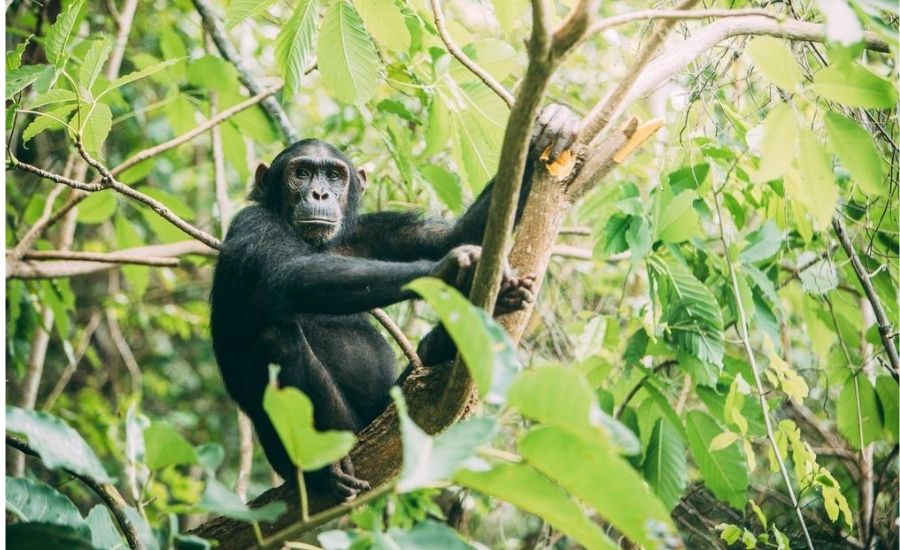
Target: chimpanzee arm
(404, 236)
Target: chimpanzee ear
(363, 178)
(258, 191)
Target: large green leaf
(54, 119)
(97, 207)
(57, 38)
(348, 60)
(561, 397)
(854, 147)
(692, 314)
(58, 445)
(291, 412)
(34, 501)
(18, 79)
(53, 96)
(665, 466)
(597, 475)
(45, 536)
(427, 459)
(294, 45)
(219, 499)
(676, 219)
(528, 490)
(238, 10)
(776, 62)
(478, 338)
(163, 446)
(104, 532)
(724, 471)
(779, 143)
(857, 412)
(889, 398)
(93, 123)
(762, 244)
(854, 85)
(819, 191)
(93, 63)
(386, 23)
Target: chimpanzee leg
(287, 346)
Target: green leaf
(294, 45)
(57, 38)
(776, 62)
(856, 150)
(172, 202)
(163, 446)
(19, 79)
(386, 23)
(854, 85)
(427, 459)
(594, 473)
(445, 184)
(818, 190)
(724, 472)
(676, 219)
(665, 466)
(692, 313)
(137, 75)
(427, 535)
(93, 63)
(561, 397)
(97, 207)
(14, 56)
(857, 412)
(43, 536)
(34, 501)
(889, 398)
(238, 10)
(779, 143)
(762, 244)
(104, 532)
(53, 96)
(466, 327)
(219, 499)
(528, 490)
(508, 12)
(348, 61)
(495, 56)
(638, 238)
(291, 413)
(58, 445)
(93, 123)
(54, 120)
(615, 231)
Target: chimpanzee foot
(344, 485)
(515, 294)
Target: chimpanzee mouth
(316, 221)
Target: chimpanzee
(300, 268)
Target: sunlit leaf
(18, 79)
(93, 63)
(779, 143)
(665, 464)
(348, 61)
(54, 119)
(93, 123)
(776, 62)
(386, 23)
(57, 38)
(294, 45)
(97, 207)
(856, 86)
(165, 447)
(238, 10)
(725, 471)
(143, 73)
(854, 147)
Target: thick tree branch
(677, 14)
(106, 491)
(270, 104)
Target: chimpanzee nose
(320, 194)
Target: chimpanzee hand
(342, 480)
(457, 268)
(556, 126)
(515, 294)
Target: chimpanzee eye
(333, 175)
(303, 173)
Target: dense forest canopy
(711, 361)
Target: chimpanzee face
(314, 187)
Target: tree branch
(110, 258)
(466, 61)
(885, 330)
(677, 14)
(106, 491)
(227, 51)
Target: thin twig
(677, 14)
(107, 258)
(408, 350)
(106, 491)
(191, 134)
(227, 51)
(466, 61)
(74, 184)
(743, 331)
(885, 330)
(83, 344)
